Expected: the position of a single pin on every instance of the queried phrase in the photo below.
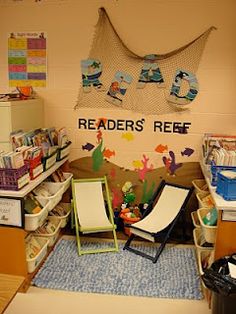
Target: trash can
(219, 278)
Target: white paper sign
(10, 212)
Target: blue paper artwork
(118, 88)
(175, 95)
(91, 71)
(150, 72)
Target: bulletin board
(27, 59)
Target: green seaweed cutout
(147, 195)
(97, 157)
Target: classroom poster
(27, 64)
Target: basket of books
(49, 230)
(208, 220)
(205, 200)
(35, 213)
(49, 192)
(61, 213)
(200, 186)
(64, 151)
(36, 250)
(33, 160)
(14, 179)
(62, 179)
(50, 160)
(200, 241)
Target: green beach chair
(90, 213)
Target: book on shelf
(31, 205)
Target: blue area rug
(124, 273)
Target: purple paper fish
(88, 147)
(187, 152)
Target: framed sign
(11, 212)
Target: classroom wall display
(113, 76)
(27, 62)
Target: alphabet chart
(27, 62)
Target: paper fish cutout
(182, 130)
(137, 164)
(128, 136)
(108, 153)
(88, 147)
(161, 148)
(187, 152)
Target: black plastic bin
(217, 278)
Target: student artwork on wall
(174, 71)
(27, 62)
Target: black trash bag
(217, 277)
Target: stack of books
(11, 160)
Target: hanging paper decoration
(114, 55)
(183, 98)
(91, 71)
(118, 88)
(150, 72)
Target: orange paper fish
(108, 153)
(161, 148)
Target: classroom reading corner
(117, 157)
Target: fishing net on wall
(109, 49)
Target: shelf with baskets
(14, 240)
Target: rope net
(109, 49)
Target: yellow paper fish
(137, 164)
(128, 136)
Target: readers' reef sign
(133, 125)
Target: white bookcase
(12, 239)
(19, 114)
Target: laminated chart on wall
(115, 77)
(27, 59)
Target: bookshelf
(225, 237)
(12, 239)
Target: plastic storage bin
(33, 221)
(63, 219)
(56, 191)
(205, 200)
(32, 263)
(200, 242)
(215, 170)
(200, 186)
(209, 232)
(195, 219)
(51, 237)
(14, 179)
(226, 185)
(62, 152)
(202, 257)
(66, 184)
(49, 161)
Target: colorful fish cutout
(108, 153)
(161, 148)
(128, 136)
(88, 147)
(187, 152)
(137, 164)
